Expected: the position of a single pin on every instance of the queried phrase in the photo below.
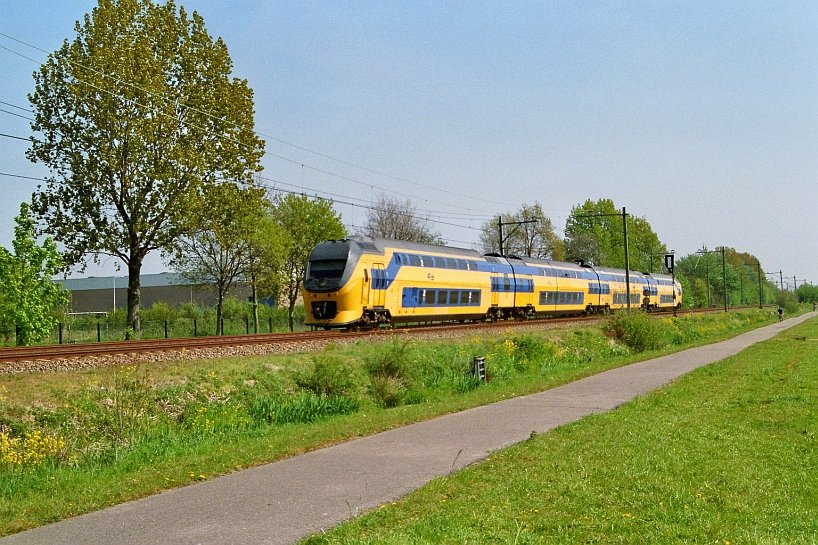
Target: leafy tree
(807, 293)
(533, 237)
(398, 220)
(594, 230)
(28, 296)
(266, 245)
(305, 222)
(218, 248)
(138, 115)
(645, 248)
(702, 278)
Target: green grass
(134, 431)
(725, 455)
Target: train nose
(324, 310)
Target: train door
(378, 286)
(496, 283)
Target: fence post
(222, 327)
(99, 332)
(18, 331)
(60, 332)
(247, 325)
(194, 328)
(166, 329)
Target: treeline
(595, 233)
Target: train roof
(379, 245)
(358, 244)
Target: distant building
(106, 293)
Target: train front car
(332, 292)
(365, 282)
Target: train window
(442, 297)
(454, 297)
(475, 298)
(430, 297)
(327, 268)
(415, 261)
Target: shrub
(235, 309)
(191, 311)
(332, 375)
(638, 331)
(158, 312)
(392, 374)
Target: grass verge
(76, 442)
(726, 455)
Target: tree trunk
(219, 310)
(255, 303)
(134, 295)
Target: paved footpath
(287, 500)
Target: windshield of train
(326, 268)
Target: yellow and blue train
(362, 281)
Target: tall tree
(28, 296)
(135, 118)
(530, 233)
(593, 229)
(266, 246)
(305, 222)
(398, 220)
(218, 249)
(594, 232)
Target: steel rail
(62, 351)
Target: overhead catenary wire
(364, 206)
(276, 139)
(428, 213)
(14, 137)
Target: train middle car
(362, 281)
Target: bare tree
(534, 236)
(395, 219)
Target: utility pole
(724, 275)
(624, 215)
(627, 258)
(516, 224)
(723, 272)
(760, 289)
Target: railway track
(131, 347)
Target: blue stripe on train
(383, 278)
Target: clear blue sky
(701, 117)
